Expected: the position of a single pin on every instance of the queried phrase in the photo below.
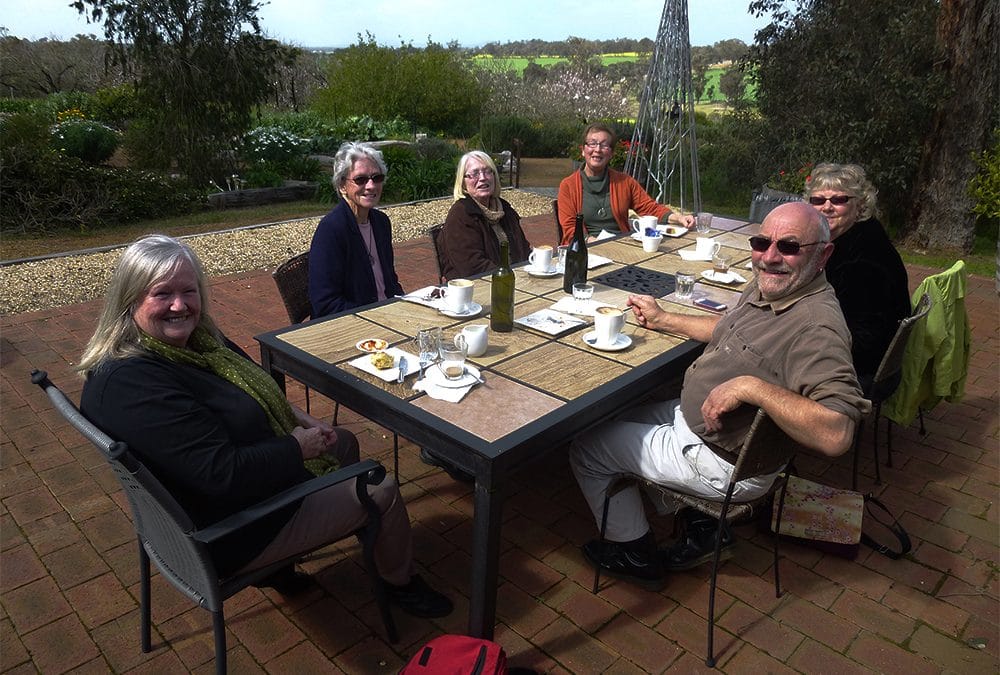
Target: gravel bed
(64, 280)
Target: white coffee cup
(608, 323)
(459, 295)
(540, 258)
(642, 222)
(474, 339)
(651, 244)
(706, 247)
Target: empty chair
(292, 279)
(885, 382)
(766, 450)
(765, 200)
(168, 536)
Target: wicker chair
(883, 385)
(167, 535)
(435, 233)
(292, 279)
(766, 449)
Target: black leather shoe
(635, 561)
(418, 599)
(696, 544)
(287, 581)
(433, 460)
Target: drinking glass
(428, 343)
(703, 222)
(684, 285)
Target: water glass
(684, 285)
(428, 343)
(703, 222)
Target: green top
(596, 207)
(936, 362)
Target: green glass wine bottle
(576, 257)
(502, 293)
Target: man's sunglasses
(362, 180)
(785, 247)
(838, 200)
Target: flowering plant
(790, 181)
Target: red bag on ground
(457, 655)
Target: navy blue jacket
(340, 274)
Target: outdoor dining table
(539, 390)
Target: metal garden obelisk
(663, 155)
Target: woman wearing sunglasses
(478, 221)
(351, 260)
(865, 270)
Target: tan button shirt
(799, 342)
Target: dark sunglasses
(362, 180)
(785, 247)
(837, 200)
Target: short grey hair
(143, 264)
(349, 154)
(847, 178)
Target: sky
(335, 23)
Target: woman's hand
(683, 219)
(313, 442)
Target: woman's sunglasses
(362, 180)
(837, 200)
(785, 247)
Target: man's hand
(682, 219)
(724, 398)
(646, 310)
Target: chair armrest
(369, 469)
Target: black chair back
(292, 279)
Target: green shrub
(44, 190)
(88, 140)
(421, 171)
(261, 175)
(271, 144)
(115, 106)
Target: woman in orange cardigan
(604, 195)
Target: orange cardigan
(626, 193)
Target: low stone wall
(257, 196)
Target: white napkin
(450, 394)
(691, 256)
(594, 260)
(579, 307)
(604, 234)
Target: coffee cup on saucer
(459, 295)
(540, 258)
(608, 325)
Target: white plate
(436, 376)
(729, 277)
(473, 309)
(623, 342)
(551, 272)
(375, 345)
(388, 374)
(594, 260)
(665, 230)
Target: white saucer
(436, 376)
(535, 272)
(473, 309)
(623, 342)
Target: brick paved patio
(69, 580)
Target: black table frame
(489, 462)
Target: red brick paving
(69, 580)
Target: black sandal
(696, 546)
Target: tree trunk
(940, 214)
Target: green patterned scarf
(206, 352)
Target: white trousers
(652, 441)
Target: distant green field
(519, 63)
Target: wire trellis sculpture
(663, 155)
